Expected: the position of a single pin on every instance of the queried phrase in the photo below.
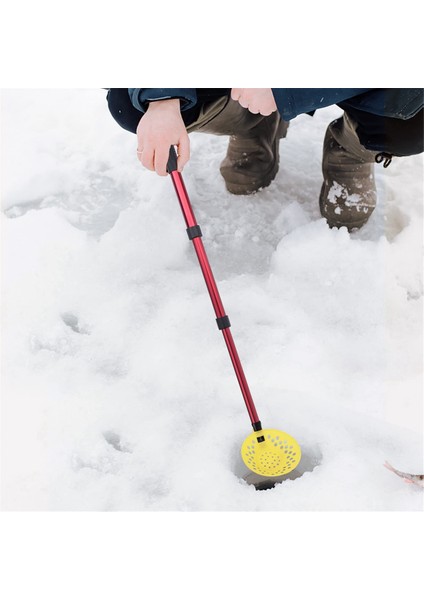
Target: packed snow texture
(118, 393)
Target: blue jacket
(400, 103)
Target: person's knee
(398, 137)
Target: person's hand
(256, 100)
(160, 127)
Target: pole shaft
(190, 220)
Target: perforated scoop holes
(278, 455)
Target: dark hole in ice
(311, 458)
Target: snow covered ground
(117, 390)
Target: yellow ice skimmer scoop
(270, 452)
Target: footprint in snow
(114, 440)
(72, 321)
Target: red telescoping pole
(195, 235)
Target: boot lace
(384, 156)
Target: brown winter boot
(348, 195)
(253, 152)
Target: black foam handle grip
(172, 160)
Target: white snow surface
(117, 390)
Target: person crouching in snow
(376, 125)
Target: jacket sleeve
(292, 102)
(140, 97)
